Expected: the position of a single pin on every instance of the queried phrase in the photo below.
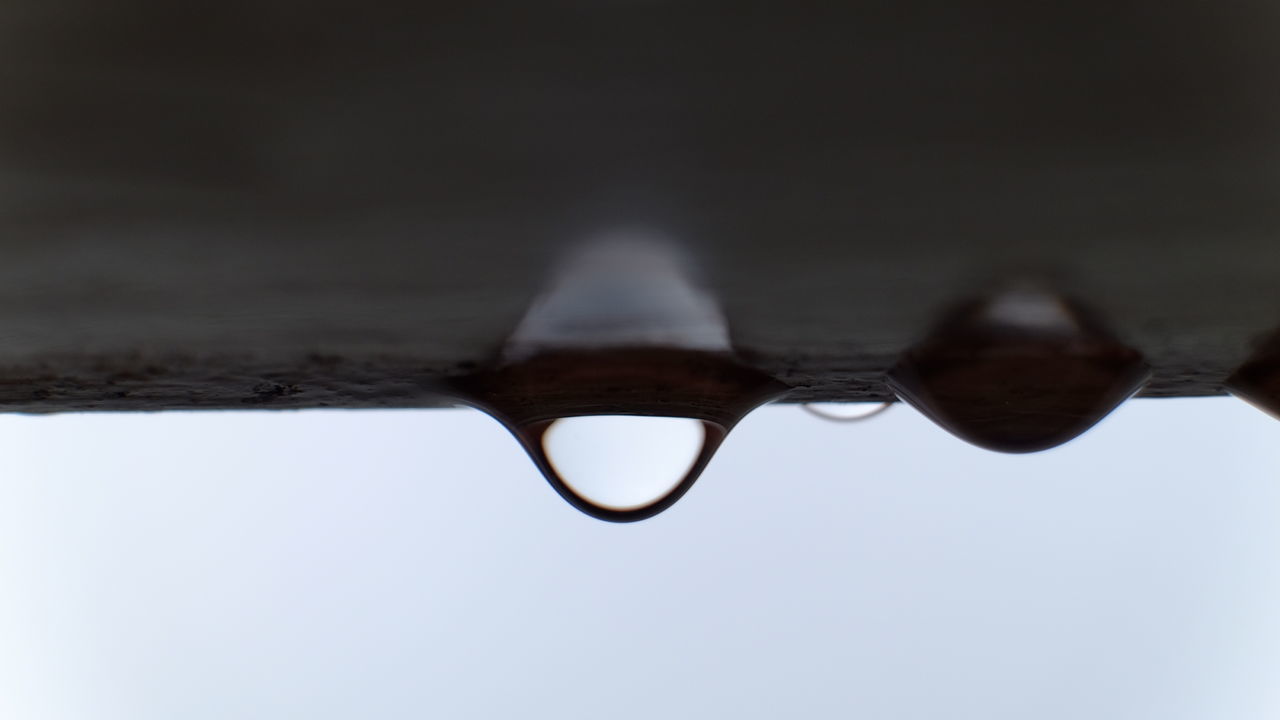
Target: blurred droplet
(1257, 381)
(843, 412)
(623, 462)
(1017, 372)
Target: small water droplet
(1018, 372)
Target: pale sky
(334, 565)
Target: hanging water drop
(564, 408)
(622, 463)
(1021, 371)
(620, 381)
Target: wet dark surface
(198, 200)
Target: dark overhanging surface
(224, 205)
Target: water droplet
(563, 407)
(623, 329)
(1018, 372)
(1257, 381)
(845, 412)
(622, 462)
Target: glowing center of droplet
(623, 462)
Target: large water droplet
(623, 462)
(1257, 381)
(1018, 372)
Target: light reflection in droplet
(623, 462)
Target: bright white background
(413, 565)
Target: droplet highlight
(1021, 371)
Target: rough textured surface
(276, 204)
